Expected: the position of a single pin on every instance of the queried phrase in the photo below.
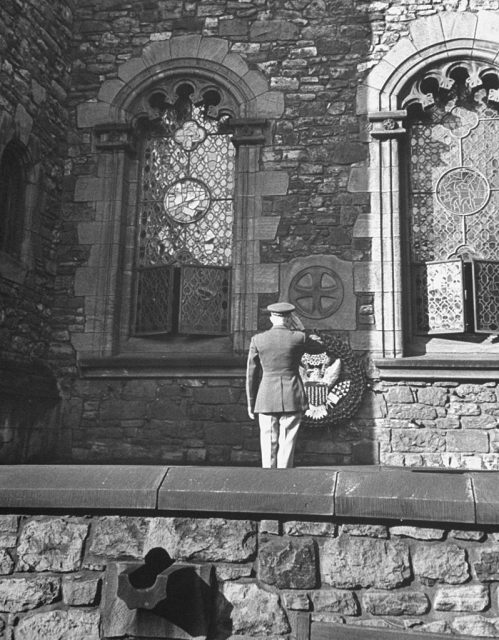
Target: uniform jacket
(273, 382)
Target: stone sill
(162, 366)
(367, 492)
(427, 368)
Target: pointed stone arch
(434, 47)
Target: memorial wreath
(334, 381)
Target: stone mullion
(387, 131)
(246, 247)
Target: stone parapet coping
(363, 492)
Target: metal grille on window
(186, 217)
(486, 295)
(453, 204)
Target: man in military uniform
(274, 388)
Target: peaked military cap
(281, 308)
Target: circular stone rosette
(334, 382)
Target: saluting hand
(251, 414)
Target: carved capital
(114, 137)
(386, 125)
(248, 131)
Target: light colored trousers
(278, 433)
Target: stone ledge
(427, 368)
(364, 492)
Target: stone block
(288, 563)
(119, 536)
(227, 571)
(6, 563)
(440, 563)
(75, 624)
(185, 46)
(464, 409)
(434, 396)
(476, 626)
(379, 75)
(272, 30)
(8, 530)
(246, 609)
(267, 105)
(408, 603)
(90, 114)
(404, 495)
(487, 566)
(256, 82)
(80, 590)
(418, 440)
(51, 545)
(487, 27)
(109, 90)
(414, 412)
(426, 32)
(348, 563)
(235, 63)
(266, 228)
(213, 49)
(486, 499)
(295, 601)
(484, 421)
(23, 594)
(300, 528)
(88, 189)
(233, 27)
(156, 52)
(365, 530)
(266, 491)
(467, 441)
(272, 183)
(207, 540)
(336, 601)
(400, 395)
(470, 598)
(419, 533)
(131, 68)
(458, 26)
(266, 278)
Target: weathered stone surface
(466, 535)
(440, 563)
(6, 563)
(434, 396)
(22, 594)
(295, 601)
(247, 609)
(420, 533)
(356, 562)
(470, 598)
(367, 530)
(119, 536)
(288, 563)
(227, 571)
(272, 30)
(80, 590)
(487, 567)
(51, 545)
(299, 528)
(476, 626)
(8, 531)
(400, 395)
(73, 624)
(211, 539)
(407, 603)
(336, 601)
(417, 440)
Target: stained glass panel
(204, 300)
(154, 300)
(486, 295)
(439, 297)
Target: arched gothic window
(12, 199)
(452, 222)
(184, 252)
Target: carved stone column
(386, 131)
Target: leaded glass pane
(154, 300)
(439, 297)
(186, 207)
(204, 300)
(486, 295)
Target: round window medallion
(463, 191)
(187, 201)
(316, 292)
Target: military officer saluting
(274, 388)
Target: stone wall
(35, 41)
(55, 573)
